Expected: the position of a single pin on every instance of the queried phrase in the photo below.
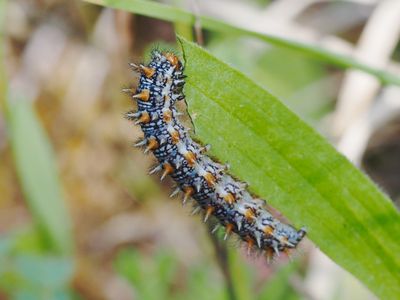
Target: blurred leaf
(177, 15)
(127, 263)
(28, 241)
(242, 276)
(151, 278)
(183, 29)
(278, 287)
(37, 277)
(167, 267)
(51, 272)
(35, 164)
(29, 295)
(32, 276)
(155, 277)
(16, 243)
(286, 162)
(201, 284)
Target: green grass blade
(34, 162)
(174, 14)
(290, 165)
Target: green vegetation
(296, 170)
(247, 119)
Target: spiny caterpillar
(198, 176)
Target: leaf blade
(286, 161)
(37, 173)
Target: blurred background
(79, 216)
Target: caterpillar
(197, 176)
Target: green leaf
(28, 274)
(35, 164)
(156, 276)
(151, 277)
(37, 277)
(177, 15)
(243, 276)
(290, 165)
